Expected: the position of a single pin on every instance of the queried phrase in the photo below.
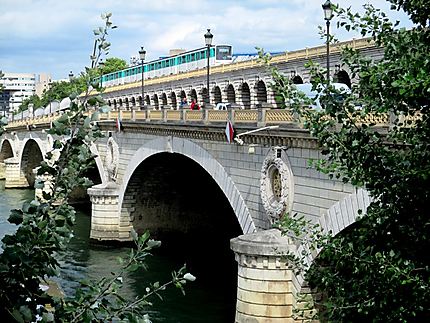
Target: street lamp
(142, 54)
(208, 41)
(70, 76)
(328, 14)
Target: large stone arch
(6, 152)
(204, 159)
(31, 156)
(337, 218)
(155, 99)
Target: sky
(56, 36)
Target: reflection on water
(204, 300)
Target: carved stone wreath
(112, 158)
(276, 187)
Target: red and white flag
(119, 124)
(229, 131)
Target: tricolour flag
(229, 131)
(119, 124)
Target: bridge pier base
(266, 287)
(105, 214)
(13, 175)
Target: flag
(119, 124)
(229, 131)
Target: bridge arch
(193, 94)
(217, 95)
(133, 102)
(156, 102)
(147, 100)
(164, 99)
(31, 157)
(173, 101)
(120, 104)
(246, 95)
(343, 77)
(297, 79)
(231, 94)
(6, 150)
(261, 92)
(339, 216)
(205, 95)
(200, 156)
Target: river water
(205, 300)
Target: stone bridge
(173, 172)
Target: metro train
(183, 62)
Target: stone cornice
(286, 135)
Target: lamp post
(328, 14)
(208, 41)
(70, 76)
(142, 54)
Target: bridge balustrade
(206, 116)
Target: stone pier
(13, 174)
(105, 219)
(266, 288)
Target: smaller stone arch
(120, 104)
(127, 105)
(205, 95)
(297, 79)
(173, 101)
(231, 94)
(217, 95)
(147, 100)
(133, 102)
(114, 104)
(343, 77)
(261, 92)
(246, 95)
(155, 99)
(164, 100)
(193, 94)
(140, 102)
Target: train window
(223, 52)
(183, 59)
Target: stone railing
(260, 117)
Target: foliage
(378, 268)
(113, 64)
(46, 226)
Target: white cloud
(55, 36)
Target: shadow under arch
(206, 161)
(32, 154)
(6, 150)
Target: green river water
(209, 299)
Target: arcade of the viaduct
(260, 181)
(244, 84)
